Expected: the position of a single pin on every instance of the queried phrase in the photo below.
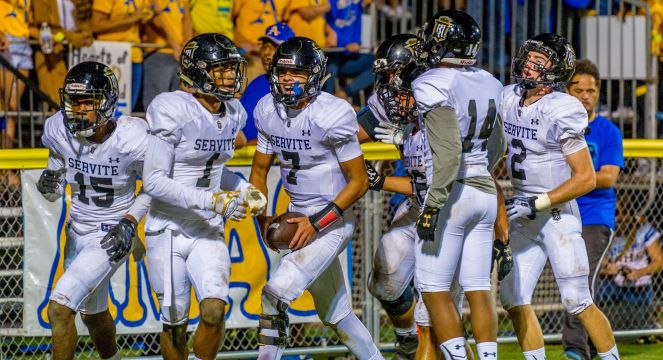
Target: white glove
(229, 205)
(254, 200)
(389, 134)
(51, 184)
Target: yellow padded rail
(36, 158)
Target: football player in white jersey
(391, 117)
(193, 136)
(549, 166)
(458, 108)
(100, 156)
(314, 135)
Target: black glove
(118, 240)
(426, 223)
(51, 184)
(375, 180)
(501, 255)
(519, 206)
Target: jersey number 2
(97, 185)
(486, 129)
(518, 159)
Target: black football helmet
(397, 98)
(561, 56)
(393, 54)
(297, 53)
(212, 53)
(88, 81)
(451, 37)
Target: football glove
(427, 222)
(375, 180)
(501, 255)
(389, 134)
(254, 200)
(229, 205)
(51, 184)
(118, 240)
(520, 206)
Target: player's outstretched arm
(582, 180)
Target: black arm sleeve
(368, 122)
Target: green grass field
(627, 351)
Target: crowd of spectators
(161, 27)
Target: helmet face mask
(297, 71)
(212, 65)
(556, 71)
(89, 98)
(393, 54)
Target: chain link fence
(638, 186)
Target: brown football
(280, 232)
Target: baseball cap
(278, 33)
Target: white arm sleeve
(140, 206)
(158, 183)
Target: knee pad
(575, 294)
(401, 305)
(274, 318)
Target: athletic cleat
(571, 355)
(406, 347)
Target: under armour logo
(458, 347)
(233, 130)
(111, 160)
(419, 147)
(306, 132)
(534, 122)
(493, 354)
(426, 222)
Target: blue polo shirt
(255, 91)
(345, 18)
(605, 146)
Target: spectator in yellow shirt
(119, 20)
(307, 18)
(212, 16)
(172, 27)
(14, 21)
(251, 19)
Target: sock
(406, 331)
(270, 352)
(115, 357)
(356, 337)
(611, 354)
(454, 349)
(487, 350)
(538, 354)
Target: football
(280, 232)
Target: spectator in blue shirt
(597, 208)
(259, 87)
(344, 31)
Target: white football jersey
(535, 134)
(203, 142)
(102, 176)
(309, 146)
(474, 94)
(417, 158)
(636, 256)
